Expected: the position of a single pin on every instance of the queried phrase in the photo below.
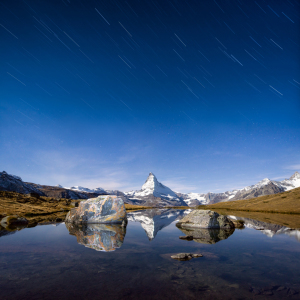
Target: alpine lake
(60, 261)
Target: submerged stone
(103, 209)
(185, 256)
(100, 237)
(205, 219)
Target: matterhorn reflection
(100, 237)
(154, 220)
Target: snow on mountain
(292, 182)
(153, 187)
(193, 199)
(98, 190)
(287, 184)
(258, 185)
(195, 196)
(154, 193)
(263, 187)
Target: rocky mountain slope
(285, 202)
(154, 193)
(263, 187)
(12, 183)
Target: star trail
(203, 93)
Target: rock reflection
(4, 231)
(207, 236)
(100, 237)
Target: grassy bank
(35, 210)
(136, 207)
(283, 203)
(139, 207)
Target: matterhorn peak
(151, 182)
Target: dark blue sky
(204, 94)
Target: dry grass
(284, 203)
(136, 207)
(180, 207)
(33, 209)
(140, 207)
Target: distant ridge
(153, 193)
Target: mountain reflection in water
(48, 262)
(154, 220)
(269, 229)
(100, 237)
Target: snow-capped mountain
(100, 191)
(155, 188)
(79, 188)
(291, 183)
(154, 193)
(263, 187)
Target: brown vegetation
(136, 207)
(34, 209)
(140, 207)
(284, 203)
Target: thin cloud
(295, 167)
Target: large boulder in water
(103, 209)
(205, 219)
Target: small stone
(182, 256)
(185, 256)
(281, 288)
(196, 255)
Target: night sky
(204, 94)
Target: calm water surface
(104, 262)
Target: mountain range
(153, 193)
